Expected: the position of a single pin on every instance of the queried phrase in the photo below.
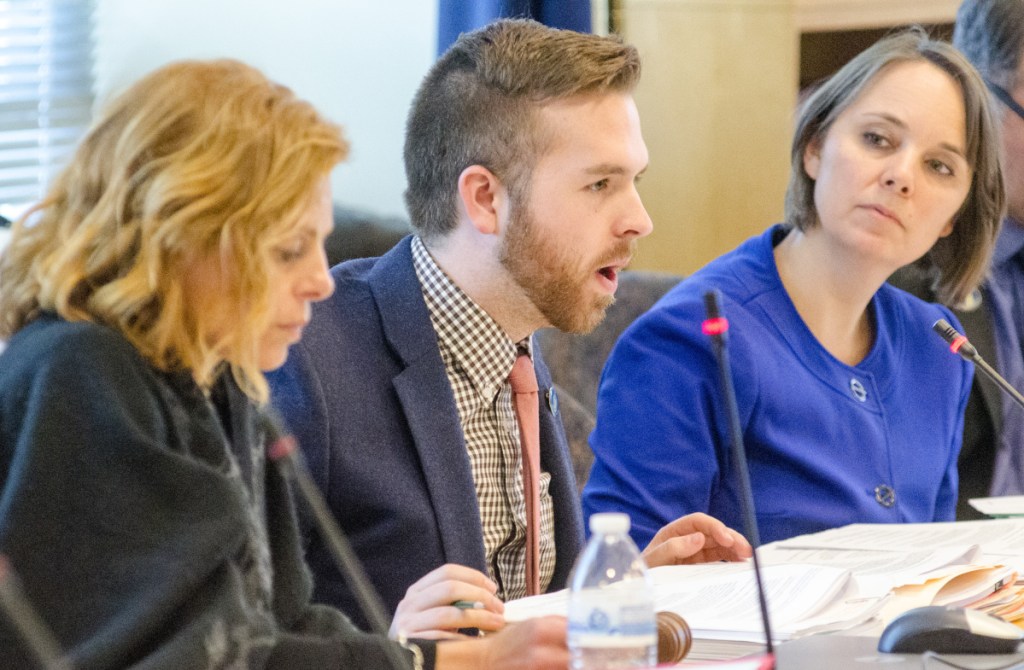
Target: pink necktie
(524, 392)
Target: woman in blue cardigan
(851, 407)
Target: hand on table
(695, 538)
(535, 644)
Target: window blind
(46, 75)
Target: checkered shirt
(478, 357)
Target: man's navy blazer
(368, 398)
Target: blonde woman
(169, 266)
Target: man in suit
(522, 153)
(991, 35)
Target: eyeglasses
(1005, 97)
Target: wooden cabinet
(716, 99)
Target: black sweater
(142, 522)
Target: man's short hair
(477, 106)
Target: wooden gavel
(674, 638)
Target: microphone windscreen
(947, 331)
(957, 342)
(711, 308)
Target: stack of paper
(1000, 537)
(854, 578)
(875, 572)
(719, 600)
(1001, 506)
(982, 575)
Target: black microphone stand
(717, 328)
(283, 450)
(34, 633)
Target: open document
(719, 601)
(877, 572)
(856, 577)
(973, 564)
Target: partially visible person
(5, 234)
(991, 35)
(169, 266)
(523, 149)
(851, 407)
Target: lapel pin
(552, 400)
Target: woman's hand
(427, 611)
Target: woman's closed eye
(289, 253)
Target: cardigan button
(885, 495)
(858, 390)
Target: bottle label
(611, 618)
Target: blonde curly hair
(198, 160)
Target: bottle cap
(609, 522)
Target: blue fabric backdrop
(459, 16)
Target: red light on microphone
(957, 342)
(715, 326)
(282, 447)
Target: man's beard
(554, 283)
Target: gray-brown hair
(961, 259)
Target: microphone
(283, 450)
(958, 344)
(38, 639)
(716, 327)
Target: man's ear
(483, 198)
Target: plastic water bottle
(611, 602)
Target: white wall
(358, 61)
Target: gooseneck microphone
(283, 450)
(958, 344)
(35, 635)
(716, 327)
